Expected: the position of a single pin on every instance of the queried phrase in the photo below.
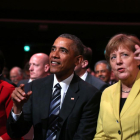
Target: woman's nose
(119, 60)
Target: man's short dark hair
(87, 55)
(80, 47)
(104, 62)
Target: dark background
(38, 23)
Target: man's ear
(84, 63)
(78, 60)
(46, 68)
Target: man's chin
(101, 79)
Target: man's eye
(52, 49)
(63, 50)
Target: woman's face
(123, 63)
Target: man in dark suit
(38, 68)
(81, 71)
(71, 116)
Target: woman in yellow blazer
(119, 117)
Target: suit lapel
(45, 97)
(132, 95)
(69, 102)
(116, 100)
(88, 78)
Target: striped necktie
(54, 112)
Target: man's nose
(55, 54)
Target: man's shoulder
(85, 86)
(24, 81)
(43, 81)
(96, 82)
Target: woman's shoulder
(110, 90)
(5, 84)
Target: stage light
(26, 48)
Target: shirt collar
(65, 83)
(84, 76)
(30, 80)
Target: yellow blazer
(115, 125)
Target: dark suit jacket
(96, 82)
(22, 82)
(77, 118)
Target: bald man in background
(38, 67)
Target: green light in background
(26, 48)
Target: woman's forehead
(121, 47)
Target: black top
(122, 101)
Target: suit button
(117, 121)
(119, 132)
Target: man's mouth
(55, 63)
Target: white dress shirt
(84, 76)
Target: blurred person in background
(82, 72)
(26, 72)
(5, 72)
(119, 116)
(102, 70)
(16, 74)
(6, 103)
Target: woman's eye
(112, 57)
(125, 54)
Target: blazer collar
(132, 95)
(45, 95)
(88, 78)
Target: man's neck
(62, 78)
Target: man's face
(102, 72)
(37, 67)
(15, 77)
(62, 58)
